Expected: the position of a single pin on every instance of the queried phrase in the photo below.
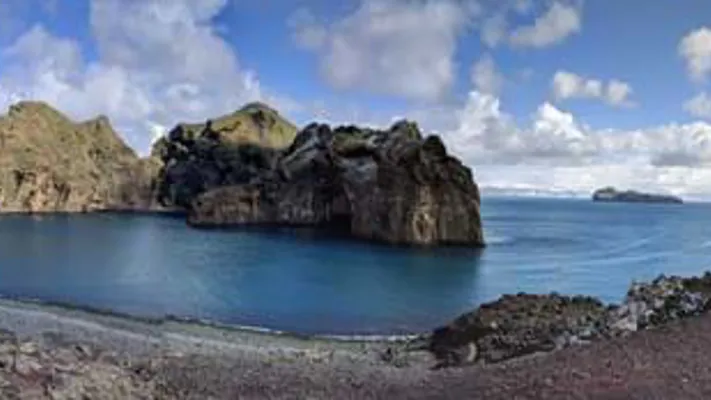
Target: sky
(536, 96)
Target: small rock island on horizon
(610, 194)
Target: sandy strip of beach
(169, 359)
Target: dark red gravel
(672, 362)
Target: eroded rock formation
(387, 185)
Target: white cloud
(699, 106)
(158, 63)
(390, 47)
(555, 152)
(567, 85)
(618, 93)
(486, 77)
(308, 33)
(695, 48)
(494, 30)
(560, 21)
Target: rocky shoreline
(523, 324)
(51, 351)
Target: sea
(320, 283)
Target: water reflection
(314, 281)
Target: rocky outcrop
(389, 185)
(49, 163)
(516, 325)
(663, 300)
(610, 194)
(229, 150)
(513, 326)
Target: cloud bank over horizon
(494, 78)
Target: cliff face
(224, 151)
(391, 186)
(49, 163)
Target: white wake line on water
(495, 239)
(201, 322)
(635, 244)
(269, 331)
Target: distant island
(611, 194)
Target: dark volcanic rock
(514, 326)
(660, 301)
(229, 150)
(630, 196)
(391, 186)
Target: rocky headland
(610, 194)
(49, 163)
(249, 167)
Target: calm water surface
(156, 266)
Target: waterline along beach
(370, 199)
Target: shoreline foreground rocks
(522, 324)
(49, 352)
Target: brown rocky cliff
(49, 163)
(391, 186)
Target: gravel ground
(667, 363)
(171, 360)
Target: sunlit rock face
(49, 163)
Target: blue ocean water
(300, 282)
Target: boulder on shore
(389, 185)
